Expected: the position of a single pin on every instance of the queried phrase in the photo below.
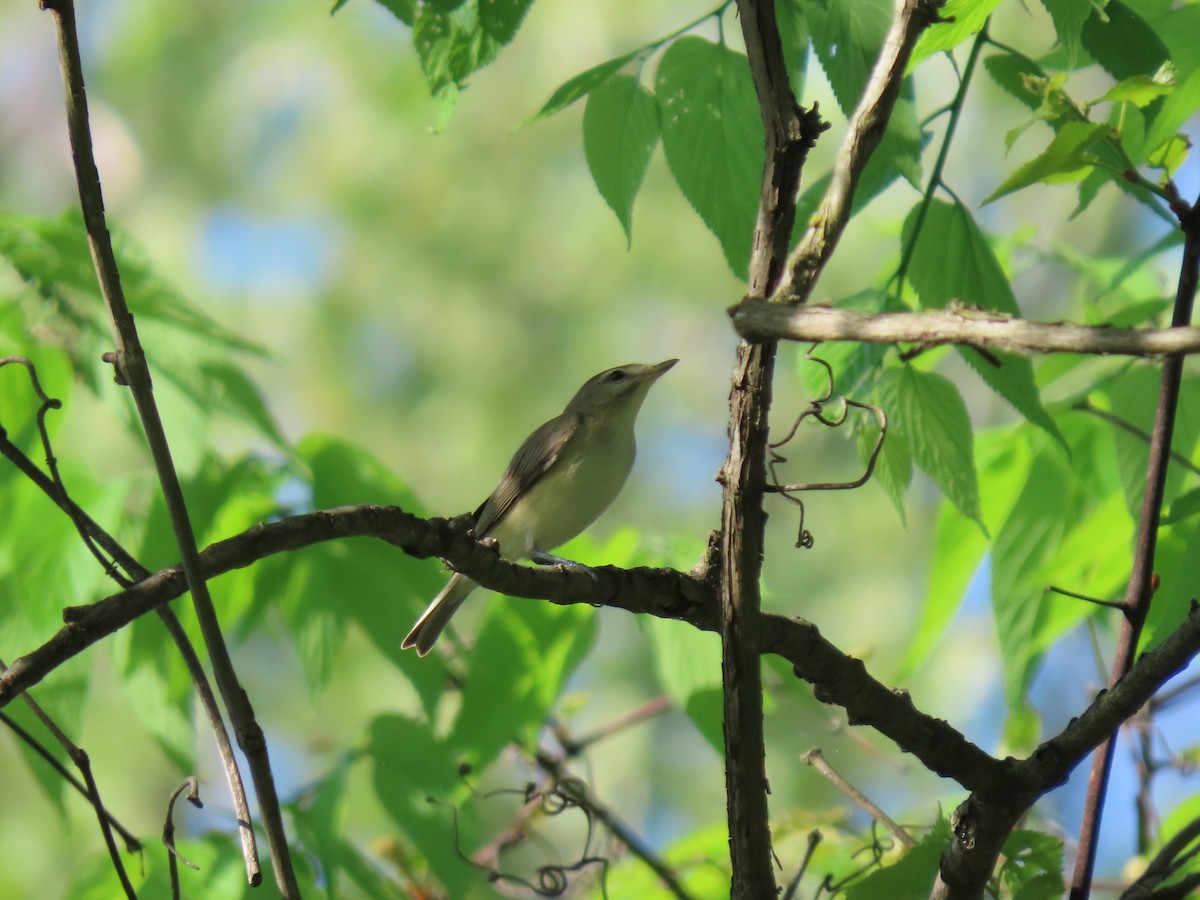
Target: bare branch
(133, 370)
(867, 126)
(98, 539)
(1140, 590)
(816, 759)
(82, 762)
(758, 321)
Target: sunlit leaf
(1179, 106)
(964, 18)
(909, 878)
(580, 86)
(620, 131)
(1068, 157)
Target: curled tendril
(559, 796)
(816, 410)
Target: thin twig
(132, 844)
(573, 746)
(1111, 604)
(96, 536)
(935, 176)
(1130, 428)
(132, 369)
(1140, 593)
(817, 760)
(814, 838)
(192, 787)
(83, 763)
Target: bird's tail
(436, 616)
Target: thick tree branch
(690, 597)
(984, 820)
(758, 321)
(788, 134)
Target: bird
(565, 474)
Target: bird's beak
(656, 371)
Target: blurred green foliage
(360, 281)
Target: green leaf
(620, 130)
(966, 18)
(417, 782)
(712, 135)
(1186, 506)
(1121, 41)
(1140, 90)
(580, 86)
(1175, 560)
(501, 18)
(319, 817)
(1069, 16)
(1169, 156)
(1179, 106)
(1013, 380)
(520, 663)
(932, 418)
(1033, 864)
(958, 547)
(793, 33)
(63, 698)
(451, 45)
(1179, 29)
(363, 581)
(1128, 401)
(1069, 157)
(893, 467)
(1013, 73)
(688, 664)
(910, 878)
(1030, 534)
(953, 262)
(847, 37)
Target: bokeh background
(435, 294)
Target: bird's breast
(582, 483)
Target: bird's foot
(549, 559)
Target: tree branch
(758, 321)
(787, 139)
(98, 539)
(690, 597)
(133, 370)
(866, 129)
(1139, 593)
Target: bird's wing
(535, 457)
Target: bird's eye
(617, 375)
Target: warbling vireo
(564, 476)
